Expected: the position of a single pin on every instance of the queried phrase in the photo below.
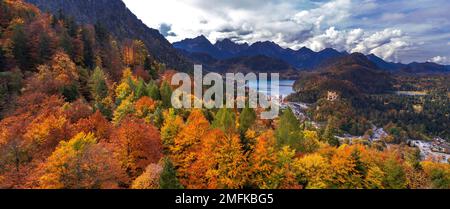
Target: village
(437, 150)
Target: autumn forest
(83, 109)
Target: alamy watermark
(237, 92)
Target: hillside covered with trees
(81, 108)
(416, 105)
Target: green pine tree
(225, 120)
(288, 132)
(70, 92)
(153, 91)
(166, 95)
(2, 61)
(97, 85)
(101, 32)
(330, 132)
(88, 54)
(20, 48)
(65, 41)
(45, 51)
(71, 25)
(246, 119)
(168, 179)
(395, 177)
(99, 91)
(158, 117)
(140, 90)
(149, 67)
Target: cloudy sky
(401, 30)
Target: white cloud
(383, 43)
(440, 60)
(277, 20)
(392, 16)
(330, 39)
(385, 28)
(389, 51)
(329, 13)
(377, 39)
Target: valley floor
(437, 150)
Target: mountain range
(303, 58)
(202, 51)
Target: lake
(286, 88)
(411, 93)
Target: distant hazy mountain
(412, 68)
(427, 67)
(269, 49)
(120, 21)
(201, 45)
(388, 66)
(230, 47)
(304, 59)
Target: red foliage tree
(77, 110)
(96, 124)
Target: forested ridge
(368, 95)
(81, 109)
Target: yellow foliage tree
(310, 142)
(52, 79)
(284, 176)
(313, 171)
(64, 68)
(173, 124)
(124, 89)
(374, 178)
(80, 163)
(438, 174)
(125, 108)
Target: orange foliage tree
(46, 131)
(137, 145)
(263, 160)
(14, 151)
(29, 135)
(221, 163)
(184, 151)
(144, 107)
